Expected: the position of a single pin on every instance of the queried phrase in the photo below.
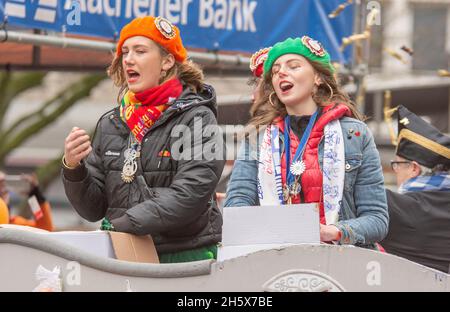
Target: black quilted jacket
(170, 199)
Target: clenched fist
(77, 147)
(329, 233)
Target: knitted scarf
(269, 171)
(437, 182)
(140, 111)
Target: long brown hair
(188, 72)
(263, 113)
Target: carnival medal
(130, 166)
(298, 168)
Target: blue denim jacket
(363, 218)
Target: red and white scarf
(269, 171)
(140, 111)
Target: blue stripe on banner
(227, 25)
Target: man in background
(419, 227)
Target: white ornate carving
(302, 281)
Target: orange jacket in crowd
(45, 222)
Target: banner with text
(222, 25)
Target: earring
(270, 99)
(163, 74)
(331, 92)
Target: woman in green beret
(312, 147)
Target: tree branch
(5, 79)
(39, 113)
(15, 85)
(77, 91)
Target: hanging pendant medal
(130, 154)
(297, 168)
(295, 189)
(128, 171)
(287, 195)
(290, 192)
(130, 167)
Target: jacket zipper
(302, 195)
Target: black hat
(419, 141)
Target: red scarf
(140, 111)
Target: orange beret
(157, 29)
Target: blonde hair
(188, 72)
(263, 113)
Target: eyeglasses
(395, 164)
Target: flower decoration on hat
(257, 62)
(314, 46)
(304, 46)
(159, 30)
(165, 27)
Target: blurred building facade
(424, 27)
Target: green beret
(305, 46)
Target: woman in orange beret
(138, 175)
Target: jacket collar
(187, 100)
(330, 113)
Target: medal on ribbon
(298, 168)
(130, 164)
(295, 169)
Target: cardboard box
(134, 248)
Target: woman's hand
(329, 233)
(77, 147)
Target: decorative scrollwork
(302, 281)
